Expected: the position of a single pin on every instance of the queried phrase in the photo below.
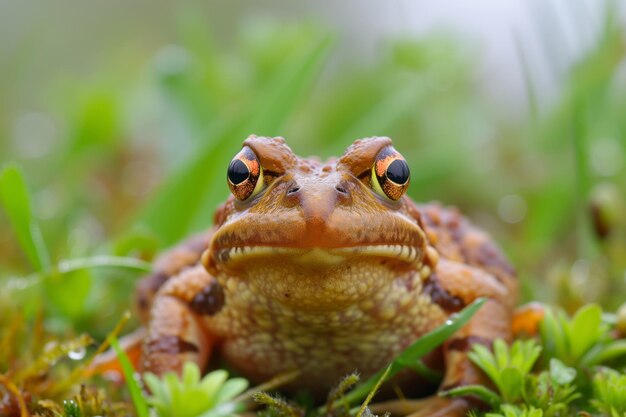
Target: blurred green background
(123, 118)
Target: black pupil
(237, 172)
(398, 171)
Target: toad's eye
(390, 174)
(245, 175)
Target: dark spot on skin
(208, 301)
(171, 344)
(440, 296)
(464, 344)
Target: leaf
(231, 389)
(561, 374)
(531, 352)
(213, 381)
(129, 374)
(156, 388)
(191, 374)
(481, 392)
(585, 329)
(485, 360)
(511, 383)
(501, 353)
(612, 350)
(553, 335)
(15, 197)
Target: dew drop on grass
(77, 354)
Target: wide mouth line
(403, 252)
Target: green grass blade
(373, 391)
(129, 373)
(418, 349)
(15, 197)
(104, 261)
(425, 372)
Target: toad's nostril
(293, 190)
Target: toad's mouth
(406, 254)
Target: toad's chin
(300, 283)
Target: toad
(325, 268)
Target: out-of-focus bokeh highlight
(124, 116)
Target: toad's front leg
(176, 333)
(491, 322)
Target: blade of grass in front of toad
(416, 351)
(200, 184)
(15, 198)
(129, 374)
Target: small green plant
(581, 341)
(570, 339)
(552, 391)
(507, 367)
(609, 388)
(510, 369)
(191, 396)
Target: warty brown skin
(313, 290)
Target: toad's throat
(406, 254)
